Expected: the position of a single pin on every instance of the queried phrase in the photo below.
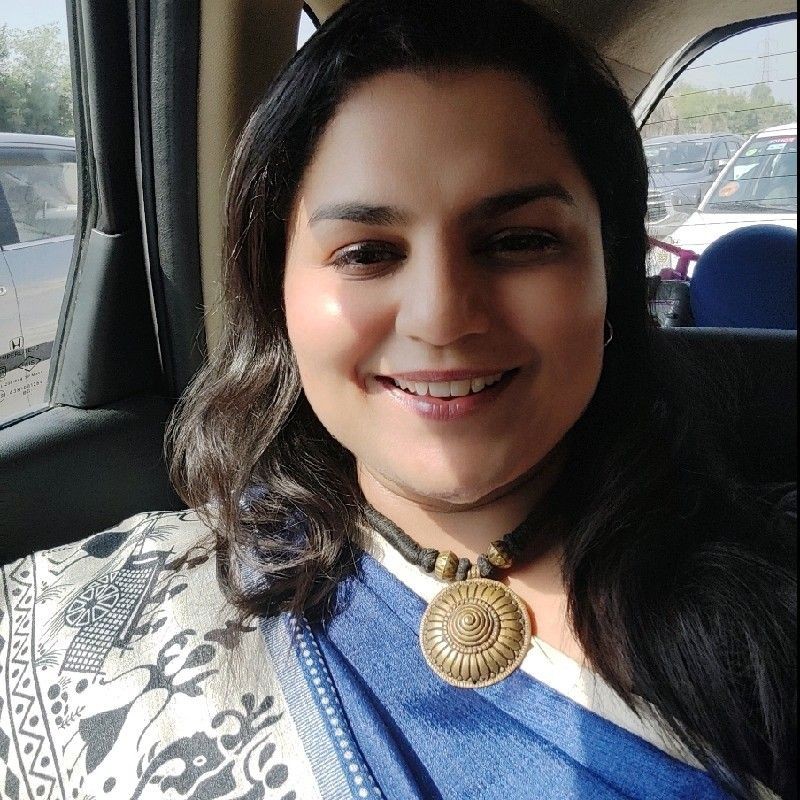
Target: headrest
(747, 279)
(751, 375)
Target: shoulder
(105, 647)
(108, 580)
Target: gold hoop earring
(610, 333)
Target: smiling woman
(424, 256)
(438, 335)
(437, 355)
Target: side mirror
(718, 165)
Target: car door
(40, 185)
(11, 352)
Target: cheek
(559, 311)
(331, 329)
(561, 316)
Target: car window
(307, 27)
(743, 87)
(39, 188)
(720, 151)
(762, 178)
(675, 156)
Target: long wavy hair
(676, 578)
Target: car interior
(161, 91)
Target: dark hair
(675, 581)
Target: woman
(437, 354)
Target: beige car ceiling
(244, 42)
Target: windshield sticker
(729, 189)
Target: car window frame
(671, 70)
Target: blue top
(423, 738)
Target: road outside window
(38, 196)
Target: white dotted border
(316, 672)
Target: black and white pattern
(125, 674)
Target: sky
(765, 53)
(745, 54)
(29, 13)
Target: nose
(444, 297)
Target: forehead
(442, 134)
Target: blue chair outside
(747, 279)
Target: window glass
(720, 150)
(307, 28)
(39, 188)
(743, 90)
(763, 178)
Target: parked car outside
(683, 167)
(38, 214)
(758, 186)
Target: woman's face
(445, 287)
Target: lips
(446, 400)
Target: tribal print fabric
(125, 674)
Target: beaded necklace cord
(476, 631)
(501, 554)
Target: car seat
(747, 279)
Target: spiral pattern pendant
(475, 633)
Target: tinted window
(676, 156)
(720, 151)
(41, 189)
(763, 177)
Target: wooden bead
(498, 555)
(446, 564)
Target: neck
(466, 529)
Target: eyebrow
(489, 207)
(359, 212)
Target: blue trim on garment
(336, 761)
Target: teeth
(478, 384)
(448, 388)
(440, 389)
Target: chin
(457, 491)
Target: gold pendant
(475, 633)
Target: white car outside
(758, 186)
(38, 215)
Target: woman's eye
(365, 258)
(523, 243)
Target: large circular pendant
(475, 633)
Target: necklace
(476, 631)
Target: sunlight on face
(443, 237)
